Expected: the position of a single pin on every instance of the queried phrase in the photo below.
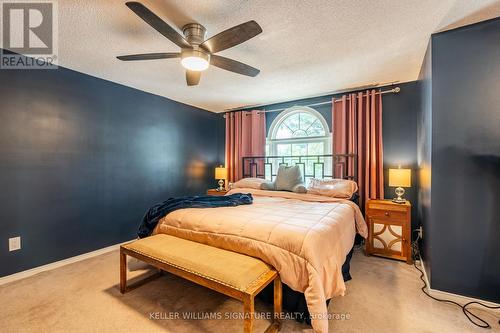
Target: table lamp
(399, 178)
(221, 175)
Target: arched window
(299, 131)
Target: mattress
(305, 237)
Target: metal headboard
(343, 166)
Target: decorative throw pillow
(289, 179)
(336, 188)
(255, 183)
(299, 188)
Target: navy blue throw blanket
(155, 213)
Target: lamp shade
(400, 177)
(220, 172)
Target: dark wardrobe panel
(459, 139)
(466, 161)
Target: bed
(306, 237)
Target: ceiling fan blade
(231, 37)
(149, 56)
(193, 77)
(157, 23)
(233, 66)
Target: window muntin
(299, 125)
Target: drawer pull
(387, 214)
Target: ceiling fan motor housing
(196, 53)
(195, 33)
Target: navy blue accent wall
(399, 126)
(464, 213)
(81, 159)
(400, 112)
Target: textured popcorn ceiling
(308, 47)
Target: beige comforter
(305, 237)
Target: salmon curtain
(245, 137)
(357, 129)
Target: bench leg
(278, 299)
(123, 272)
(248, 312)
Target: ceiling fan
(196, 52)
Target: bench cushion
(226, 267)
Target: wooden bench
(230, 273)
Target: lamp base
(221, 185)
(399, 199)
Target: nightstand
(214, 191)
(389, 229)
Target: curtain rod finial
(397, 89)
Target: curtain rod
(393, 91)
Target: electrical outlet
(15, 243)
(420, 232)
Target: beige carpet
(384, 296)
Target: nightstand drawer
(387, 214)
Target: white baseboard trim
(60, 263)
(444, 294)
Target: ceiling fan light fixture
(194, 64)
(194, 60)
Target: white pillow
(255, 183)
(289, 178)
(336, 188)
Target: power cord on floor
(479, 321)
